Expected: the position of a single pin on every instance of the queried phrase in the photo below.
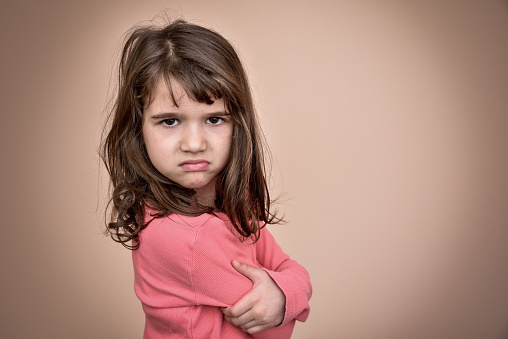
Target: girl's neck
(206, 195)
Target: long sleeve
(182, 279)
(186, 261)
(291, 277)
(183, 276)
(215, 281)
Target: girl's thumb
(244, 269)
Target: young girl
(189, 194)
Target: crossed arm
(277, 293)
(261, 308)
(189, 263)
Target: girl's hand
(261, 308)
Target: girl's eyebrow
(217, 114)
(166, 115)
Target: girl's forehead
(174, 89)
(173, 92)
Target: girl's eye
(214, 120)
(170, 122)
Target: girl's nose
(193, 140)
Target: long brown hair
(208, 67)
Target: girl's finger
(242, 320)
(237, 310)
(256, 329)
(243, 306)
(247, 327)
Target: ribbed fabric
(183, 275)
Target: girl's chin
(198, 183)
(197, 186)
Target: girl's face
(189, 144)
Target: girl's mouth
(194, 165)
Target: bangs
(198, 84)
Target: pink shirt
(183, 275)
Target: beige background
(388, 121)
